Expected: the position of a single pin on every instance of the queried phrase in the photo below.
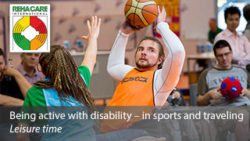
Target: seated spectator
(214, 30)
(211, 78)
(28, 67)
(239, 43)
(208, 92)
(13, 86)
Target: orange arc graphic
(38, 41)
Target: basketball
(230, 88)
(140, 13)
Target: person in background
(13, 86)
(211, 78)
(28, 67)
(214, 30)
(209, 94)
(239, 43)
(246, 14)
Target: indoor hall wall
(68, 22)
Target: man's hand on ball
(127, 28)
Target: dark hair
(221, 44)
(231, 10)
(60, 68)
(2, 53)
(161, 50)
(246, 12)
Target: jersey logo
(137, 78)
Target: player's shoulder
(35, 91)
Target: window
(223, 4)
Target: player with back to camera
(66, 85)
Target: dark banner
(124, 123)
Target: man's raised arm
(167, 78)
(116, 63)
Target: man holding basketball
(146, 85)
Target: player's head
(246, 12)
(223, 53)
(30, 60)
(2, 60)
(232, 18)
(62, 73)
(149, 54)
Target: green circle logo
(30, 33)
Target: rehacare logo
(29, 28)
